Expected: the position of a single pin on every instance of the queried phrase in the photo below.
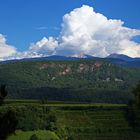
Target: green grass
(60, 103)
(41, 134)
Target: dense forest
(79, 80)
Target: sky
(34, 28)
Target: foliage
(136, 93)
(3, 93)
(133, 112)
(8, 124)
(44, 100)
(34, 137)
(32, 117)
(51, 122)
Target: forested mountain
(74, 80)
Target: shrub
(34, 137)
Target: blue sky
(19, 19)
(26, 22)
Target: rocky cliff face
(64, 69)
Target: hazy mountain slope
(119, 59)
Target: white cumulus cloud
(85, 31)
(88, 32)
(44, 47)
(5, 49)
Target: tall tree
(3, 93)
(8, 123)
(136, 93)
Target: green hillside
(81, 80)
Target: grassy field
(41, 134)
(60, 103)
(82, 121)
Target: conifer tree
(3, 93)
(136, 93)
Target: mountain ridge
(119, 59)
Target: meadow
(41, 134)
